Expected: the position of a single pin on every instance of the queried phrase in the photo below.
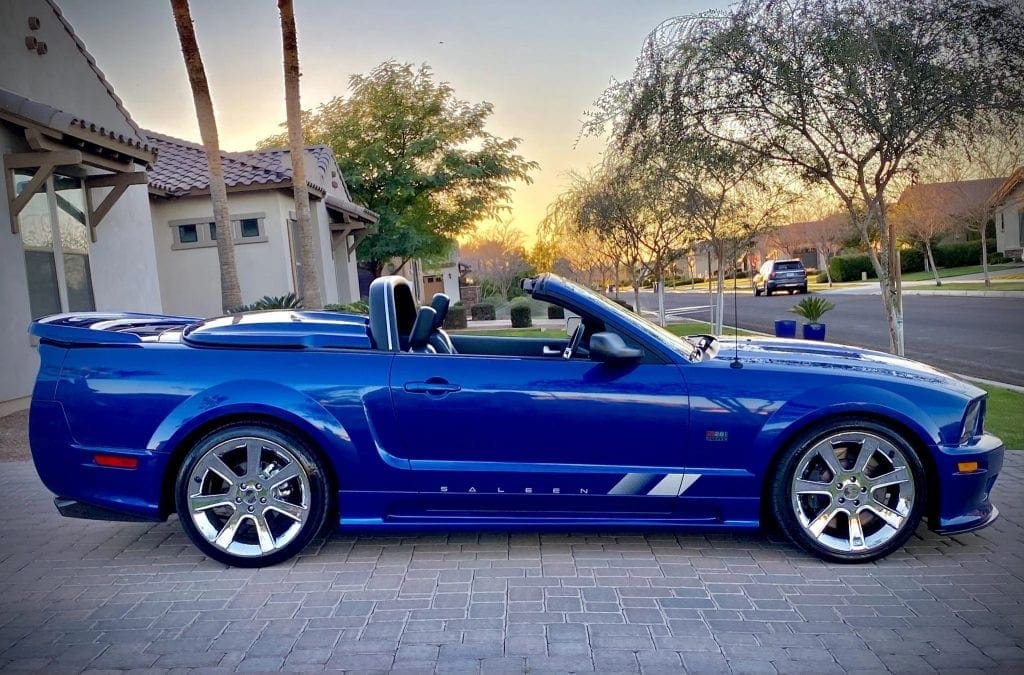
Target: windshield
(644, 326)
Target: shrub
(357, 307)
(957, 255)
(521, 316)
(556, 312)
(822, 277)
(849, 267)
(483, 311)
(456, 317)
(271, 302)
(997, 259)
(912, 260)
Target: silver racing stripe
(657, 485)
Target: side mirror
(571, 324)
(609, 348)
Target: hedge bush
(960, 254)
(849, 267)
(556, 312)
(912, 260)
(483, 311)
(521, 316)
(456, 317)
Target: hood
(839, 359)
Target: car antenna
(735, 327)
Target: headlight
(972, 421)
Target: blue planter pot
(814, 331)
(785, 328)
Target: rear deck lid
(282, 329)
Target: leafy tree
(497, 256)
(846, 93)
(418, 156)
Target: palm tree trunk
(230, 291)
(297, 149)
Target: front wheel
(251, 495)
(757, 291)
(849, 492)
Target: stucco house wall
(1009, 221)
(123, 258)
(190, 278)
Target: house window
(188, 234)
(55, 239)
(249, 228)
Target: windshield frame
(639, 327)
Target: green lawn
(956, 271)
(973, 286)
(1005, 416)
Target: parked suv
(780, 275)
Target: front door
(541, 435)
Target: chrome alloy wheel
(249, 496)
(853, 492)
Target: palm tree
(297, 149)
(230, 291)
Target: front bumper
(964, 503)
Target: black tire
(768, 292)
(893, 453)
(757, 291)
(306, 495)
(803, 290)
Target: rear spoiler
(104, 328)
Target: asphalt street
(975, 336)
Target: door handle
(435, 386)
(550, 351)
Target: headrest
(440, 303)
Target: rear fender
(258, 398)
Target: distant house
(262, 209)
(1007, 206)
(75, 229)
(967, 201)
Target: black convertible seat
(419, 338)
(439, 339)
(392, 312)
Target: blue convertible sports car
(258, 429)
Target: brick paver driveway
(80, 595)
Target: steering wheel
(574, 342)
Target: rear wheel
(768, 292)
(849, 492)
(251, 495)
(757, 291)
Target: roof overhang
(58, 139)
(347, 218)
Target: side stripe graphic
(658, 485)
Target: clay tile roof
(960, 198)
(181, 166)
(20, 108)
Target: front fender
(256, 397)
(817, 404)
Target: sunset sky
(541, 64)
